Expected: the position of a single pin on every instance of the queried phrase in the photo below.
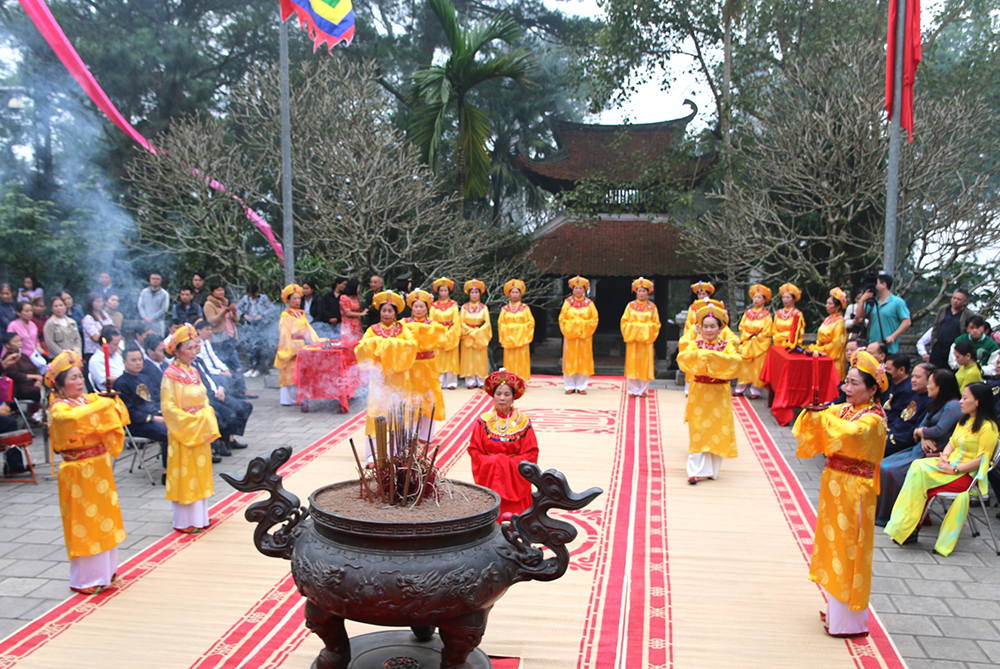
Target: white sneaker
(249, 373)
(256, 373)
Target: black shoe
(235, 445)
(249, 397)
(216, 459)
(220, 448)
(163, 478)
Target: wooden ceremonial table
(791, 377)
(327, 372)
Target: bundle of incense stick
(402, 470)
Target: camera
(868, 281)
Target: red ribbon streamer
(911, 59)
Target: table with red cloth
(327, 372)
(789, 377)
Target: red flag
(911, 59)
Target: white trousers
(90, 571)
(576, 381)
(637, 387)
(474, 382)
(841, 620)
(194, 514)
(289, 395)
(704, 465)
(448, 380)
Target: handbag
(6, 389)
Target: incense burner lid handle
(281, 507)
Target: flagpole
(892, 176)
(288, 230)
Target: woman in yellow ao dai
(87, 430)
(703, 291)
(755, 340)
(444, 310)
(476, 335)
(709, 363)
(294, 332)
(191, 429)
(516, 330)
(831, 340)
(425, 383)
(789, 323)
(852, 437)
(640, 326)
(578, 322)
(391, 349)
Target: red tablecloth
(790, 379)
(327, 373)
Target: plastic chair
(974, 494)
(138, 445)
(18, 439)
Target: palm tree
(439, 89)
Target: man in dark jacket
(141, 395)
(951, 322)
(230, 413)
(904, 407)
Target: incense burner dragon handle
(281, 507)
(535, 527)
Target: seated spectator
(968, 369)
(217, 367)
(136, 334)
(111, 304)
(986, 352)
(900, 392)
(60, 331)
(31, 344)
(256, 316)
(156, 357)
(186, 310)
(23, 372)
(7, 311)
(30, 290)
(7, 422)
(877, 349)
(95, 367)
(72, 310)
(141, 395)
(230, 413)
(94, 320)
(901, 424)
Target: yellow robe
(446, 313)
(831, 341)
(709, 411)
(578, 322)
(845, 518)
(189, 434)
(476, 335)
(393, 351)
(516, 329)
(294, 332)
(425, 382)
(640, 327)
(755, 340)
(88, 498)
(782, 329)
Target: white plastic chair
(974, 494)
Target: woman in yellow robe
(578, 322)
(444, 310)
(963, 463)
(294, 332)
(709, 364)
(831, 339)
(87, 430)
(755, 340)
(789, 324)
(391, 350)
(703, 291)
(516, 330)
(476, 335)
(640, 327)
(425, 382)
(191, 429)
(852, 437)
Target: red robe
(498, 444)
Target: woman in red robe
(502, 438)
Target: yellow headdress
(65, 360)
(512, 284)
(866, 362)
(762, 289)
(703, 285)
(474, 283)
(715, 309)
(579, 281)
(289, 290)
(443, 281)
(419, 294)
(389, 296)
(642, 282)
(790, 288)
(502, 377)
(182, 334)
(839, 295)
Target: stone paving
(942, 613)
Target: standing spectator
(95, 368)
(375, 285)
(924, 345)
(856, 324)
(93, 321)
(201, 293)
(985, 351)
(186, 310)
(888, 317)
(223, 317)
(104, 286)
(256, 313)
(7, 311)
(60, 331)
(350, 312)
(331, 309)
(154, 303)
(111, 304)
(24, 325)
(39, 316)
(30, 290)
(310, 301)
(951, 321)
